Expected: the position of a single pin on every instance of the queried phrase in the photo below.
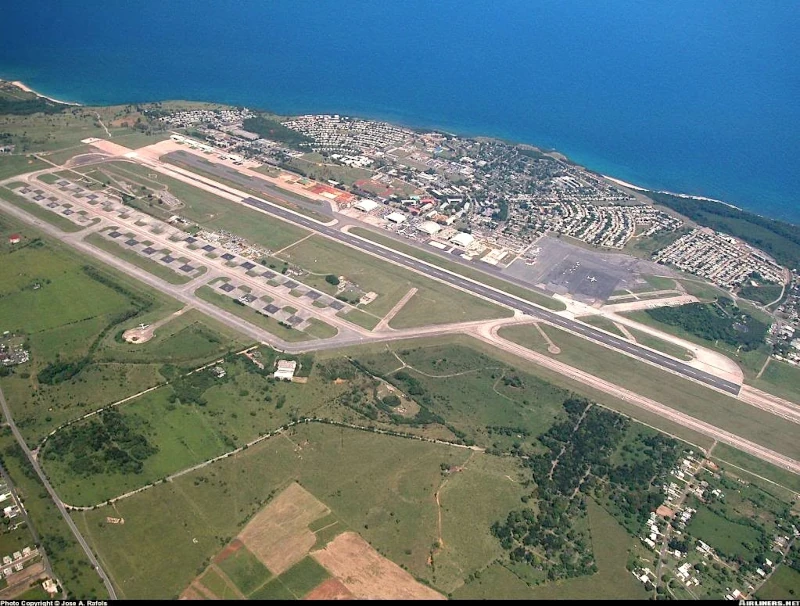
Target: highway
(54, 496)
(499, 297)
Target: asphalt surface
(500, 297)
(54, 496)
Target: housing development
(247, 356)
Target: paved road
(54, 496)
(500, 297)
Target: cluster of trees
(27, 107)
(191, 389)
(720, 321)
(781, 240)
(275, 131)
(107, 444)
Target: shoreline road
(54, 496)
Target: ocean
(686, 96)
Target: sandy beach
(624, 183)
(27, 89)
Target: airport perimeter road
(54, 496)
(500, 297)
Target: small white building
(462, 239)
(396, 218)
(429, 227)
(286, 369)
(366, 205)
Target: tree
(331, 279)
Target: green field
(245, 570)
(12, 165)
(150, 266)
(250, 315)
(784, 584)
(660, 282)
(474, 274)
(273, 591)
(788, 482)
(649, 381)
(781, 379)
(726, 537)
(346, 469)
(303, 577)
(218, 585)
(648, 340)
(434, 303)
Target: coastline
(22, 86)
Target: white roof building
(396, 218)
(429, 227)
(462, 239)
(285, 370)
(366, 205)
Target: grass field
(186, 341)
(676, 351)
(245, 571)
(474, 274)
(681, 394)
(784, 584)
(150, 266)
(781, 379)
(789, 481)
(218, 585)
(303, 577)
(12, 165)
(378, 485)
(660, 282)
(250, 315)
(610, 544)
(434, 303)
(723, 535)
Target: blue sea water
(694, 97)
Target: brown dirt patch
(664, 511)
(228, 551)
(332, 589)
(278, 535)
(367, 574)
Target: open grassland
(786, 484)
(434, 303)
(784, 584)
(473, 274)
(750, 361)
(610, 544)
(251, 315)
(65, 554)
(379, 485)
(245, 571)
(481, 492)
(150, 266)
(553, 378)
(187, 341)
(781, 379)
(37, 211)
(723, 535)
(18, 165)
(681, 394)
(660, 282)
(227, 414)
